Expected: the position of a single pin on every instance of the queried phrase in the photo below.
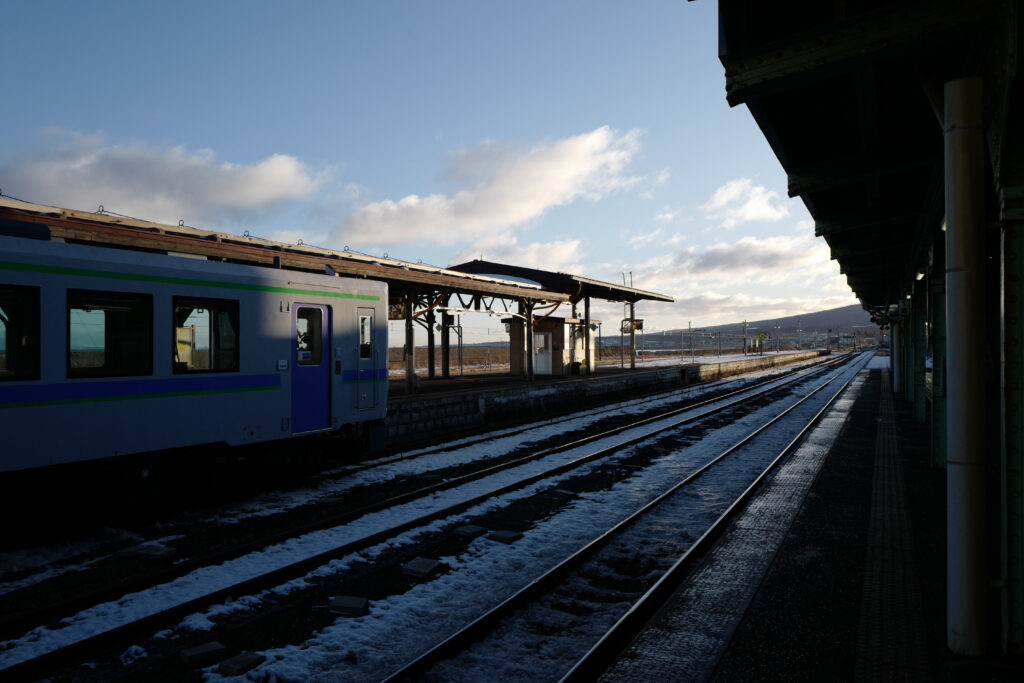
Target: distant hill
(844, 320)
(841, 321)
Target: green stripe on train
(132, 397)
(163, 279)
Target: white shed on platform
(558, 346)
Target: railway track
(120, 572)
(601, 571)
(42, 649)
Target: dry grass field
(475, 359)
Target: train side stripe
(88, 392)
(374, 375)
(167, 280)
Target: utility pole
(744, 337)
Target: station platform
(856, 589)
(442, 407)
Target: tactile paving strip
(891, 642)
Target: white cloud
(558, 255)
(643, 239)
(660, 178)
(740, 201)
(156, 184)
(667, 215)
(749, 278)
(750, 260)
(511, 188)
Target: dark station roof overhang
(575, 287)
(102, 229)
(849, 96)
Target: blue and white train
(107, 352)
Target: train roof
(103, 228)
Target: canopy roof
(849, 96)
(575, 286)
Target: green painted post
(919, 338)
(896, 356)
(1012, 451)
(937, 285)
(907, 360)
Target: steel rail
(30, 668)
(11, 623)
(487, 621)
(602, 653)
(353, 469)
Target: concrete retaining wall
(439, 415)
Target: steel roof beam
(866, 218)
(862, 168)
(901, 31)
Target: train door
(366, 384)
(311, 374)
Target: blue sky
(591, 137)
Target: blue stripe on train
(83, 390)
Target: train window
(366, 336)
(19, 332)
(109, 334)
(308, 336)
(205, 335)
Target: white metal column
(965, 345)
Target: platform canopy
(849, 96)
(108, 229)
(575, 287)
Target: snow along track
(23, 612)
(543, 626)
(208, 584)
